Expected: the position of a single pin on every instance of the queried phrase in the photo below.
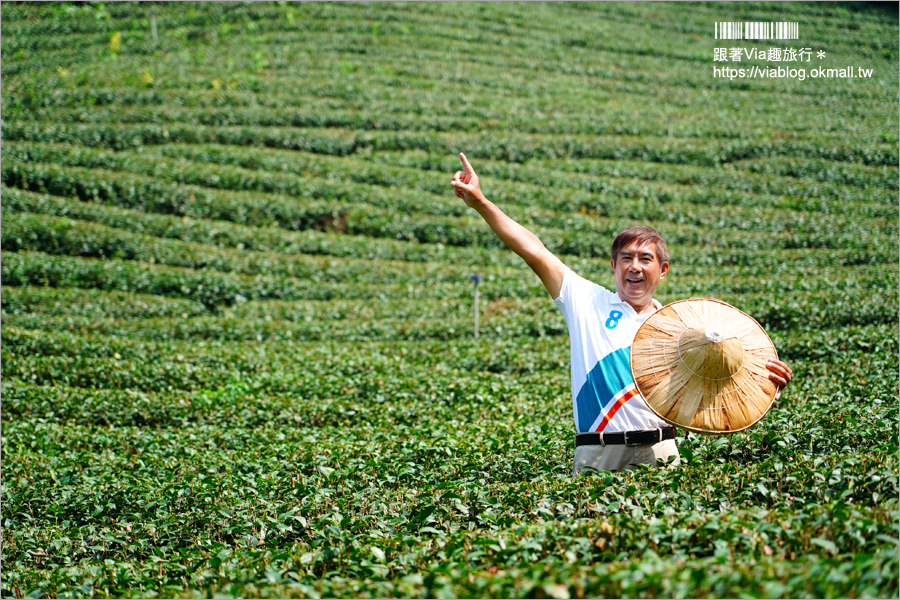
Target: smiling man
(615, 427)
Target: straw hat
(701, 365)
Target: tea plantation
(237, 346)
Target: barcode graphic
(756, 30)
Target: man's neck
(650, 307)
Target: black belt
(629, 438)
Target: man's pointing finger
(466, 164)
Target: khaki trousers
(620, 456)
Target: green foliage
(236, 345)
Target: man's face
(638, 272)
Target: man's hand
(780, 373)
(465, 184)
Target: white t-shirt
(602, 327)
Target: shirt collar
(653, 301)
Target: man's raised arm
(521, 241)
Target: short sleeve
(574, 291)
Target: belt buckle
(659, 437)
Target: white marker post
(476, 279)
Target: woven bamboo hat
(701, 365)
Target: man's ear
(612, 263)
(664, 270)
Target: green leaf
(828, 545)
(557, 590)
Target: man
(615, 427)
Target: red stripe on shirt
(612, 410)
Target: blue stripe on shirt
(609, 377)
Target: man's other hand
(780, 373)
(465, 184)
